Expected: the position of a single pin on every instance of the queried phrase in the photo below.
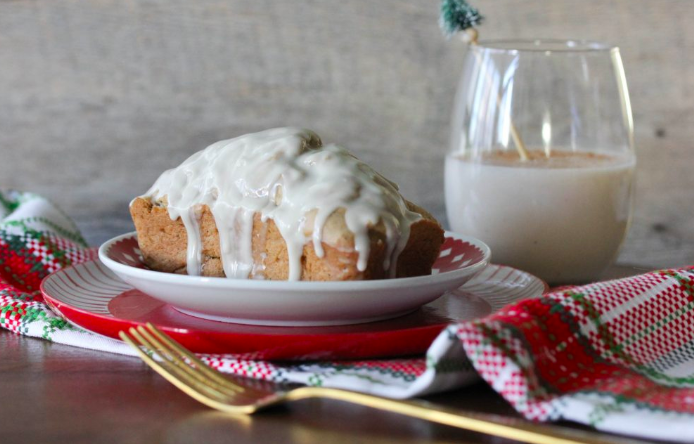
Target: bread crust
(164, 241)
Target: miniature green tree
(456, 16)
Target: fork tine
(204, 368)
(179, 369)
(180, 362)
(180, 380)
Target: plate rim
(255, 284)
(57, 305)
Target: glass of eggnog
(541, 159)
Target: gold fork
(232, 395)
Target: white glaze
(286, 175)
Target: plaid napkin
(617, 355)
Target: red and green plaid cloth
(617, 355)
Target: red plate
(90, 296)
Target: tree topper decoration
(457, 16)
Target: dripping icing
(286, 175)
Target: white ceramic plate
(285, 303)
(92, 297)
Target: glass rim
(540, 45)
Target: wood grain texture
(97, 98)
(70, 395)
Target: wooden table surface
(60, 394)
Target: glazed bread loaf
(278, 205)
(163, 243)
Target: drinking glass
(541, 159)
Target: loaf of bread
(244, 208)
(163, 243)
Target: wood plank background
(98, 97)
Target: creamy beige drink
(562, 218)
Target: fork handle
(500, 426)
